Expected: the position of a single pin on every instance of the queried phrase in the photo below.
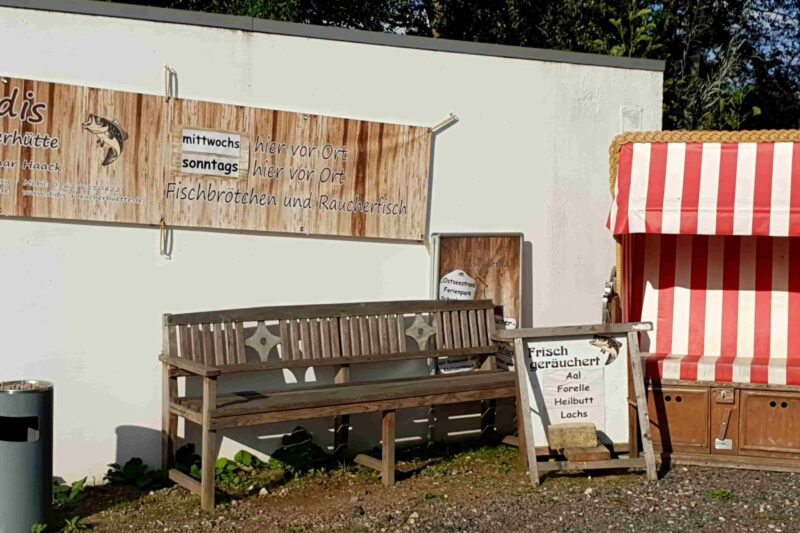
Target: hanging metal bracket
(452, 119)
(170, 83)
(165, 244)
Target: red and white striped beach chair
(708, 228)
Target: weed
(76, 523)
(504, 468)
(38, 528)
(64, 494)
(134, 472)
(428, 496)
(434, 470)
(721, 494)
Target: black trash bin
(26, 454)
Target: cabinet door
(770, 424)
(724, 421)
(679, 419)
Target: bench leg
(387, 456)
(209, 455)
(341, 429)
(488, 429)
(341, 423)
(169, 421)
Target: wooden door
(770, 424)
(679, 419)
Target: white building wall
(81, 304)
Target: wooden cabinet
(770, 423)
(679, 419)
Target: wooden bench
(212, 344)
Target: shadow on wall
(137, 441)
(526, 320)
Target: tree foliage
(730, 64)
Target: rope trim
(708, 136)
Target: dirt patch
(481, 489)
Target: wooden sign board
(477, 266)
(579, 374)
(80, 153)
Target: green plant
(232, 473)
(134, 472)
(38, 528)
(76, 523)
(721, 494)
(64, 494)
(504, 468)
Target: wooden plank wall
(368, 161)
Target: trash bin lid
(25, 385)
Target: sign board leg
(527, 423)
(641, 403)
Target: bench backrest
(330, 334)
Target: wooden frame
(535, 467)
(495, 261)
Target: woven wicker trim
(748, 136)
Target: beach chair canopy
(707, 188)
(708, 255)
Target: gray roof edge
(197, 18)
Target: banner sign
(80, 153)
(580, 379)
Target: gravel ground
(482, 489)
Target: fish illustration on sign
(109, 135)
(608, 346)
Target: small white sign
(723, 444)
(211, 142)
(210, 153)
(579, 379)
(209, 165)
(505, 352)
(457, 285)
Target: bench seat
(722, 369)
(260, 407)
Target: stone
(573, 435)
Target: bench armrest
(190, 366)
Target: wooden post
(208, 456)
(641, 404)
(169, 394)
(169, 421)
(521, 441)
(387, 455)
(524, 401)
